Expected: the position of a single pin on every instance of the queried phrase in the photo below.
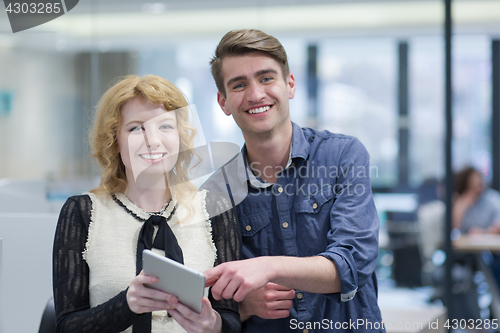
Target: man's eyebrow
(234, 79)
(266, 71)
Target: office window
(426, 108)
(296, 50)
(471, 105)
(358, 97)
(472, 102)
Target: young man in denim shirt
(304, 203)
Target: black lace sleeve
(71, 278)
(227, 239)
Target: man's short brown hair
(240, 42)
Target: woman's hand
(467, 199)
(495, 228)
(477, 231)
(142, 299)
(208, 321)
(460, 206)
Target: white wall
(36, 138)
(27, 226)
(26, 284)
(1, 283)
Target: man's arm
(237, 279)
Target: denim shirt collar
(299, 149)
(300, 145)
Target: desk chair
(403, 232)
(48, 323)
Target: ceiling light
(154, 8)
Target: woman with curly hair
(143, 143)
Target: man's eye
(238, 86)
(267, 79)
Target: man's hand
(235, 279)
(272, 301)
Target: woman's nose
(152, 137)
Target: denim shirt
(322, 205)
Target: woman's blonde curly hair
(103, 135)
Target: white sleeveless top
(110, 251)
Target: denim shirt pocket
(255, 232)
(315, 201)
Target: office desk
(477, 245)
(406, 310)
(424, 320)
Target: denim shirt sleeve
(353, 235)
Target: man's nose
(256, 92)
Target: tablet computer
(174, 278)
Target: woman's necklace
(162, 210)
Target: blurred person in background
(476, 210)
(476, 207)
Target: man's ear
(291, 86)
(222, 102)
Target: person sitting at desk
(476, 208)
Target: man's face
(256, 94)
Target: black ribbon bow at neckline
(164, 240)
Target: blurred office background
(373, 69)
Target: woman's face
(148, 140)
(475, 184)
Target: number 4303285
(33, 8)
(471, 324)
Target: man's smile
(259, 110)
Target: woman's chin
(152, 180)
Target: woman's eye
(136, 129)
(166, 127)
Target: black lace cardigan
(71, 272)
